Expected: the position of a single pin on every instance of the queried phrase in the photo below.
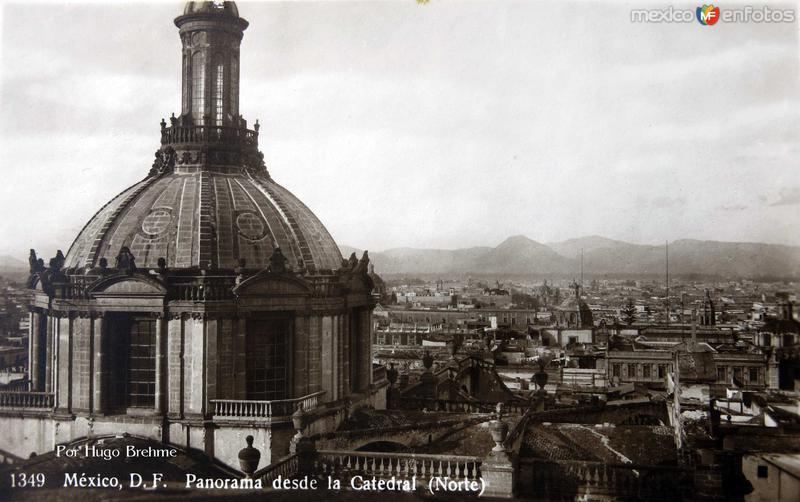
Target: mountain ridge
(521, 255)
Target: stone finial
(249, 458)
(427, 360)
(299, 420)
(392, 374)
(125, 261)
(352, 262)
(455, 344)
(277, 262)
(36, 264)
(361, 266)
(163, 124)
(59, 260)
(164, 162)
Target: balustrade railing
(286, 468)
(208, 134)
(75, 288)
(456, 406)
(279, 410)
(323, 285)
(343, 464)
(544, 479)
(209, 288)
(26, 400)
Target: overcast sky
(444, 125)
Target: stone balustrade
(273, 411)
(177, 134)
(545, 479)
(287, 468)
(457, 406)
(344, 464)
(26, 400)
(203, 289)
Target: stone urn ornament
(542, 359)
(427, 360)
(392, 374)
(455, 344)
(249, 458)
(299, 420)
(499, 432)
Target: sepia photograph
(399, 250)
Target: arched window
(198, 87)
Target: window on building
(198, 87)
(219, 93)
(572, 340)
(721, 374)
(142, 364)
(233, 93)
(616, 370)
(631, 370)
(646, 371)
(762, 471)
(265, 360)
(737, 374)
(753, 375)
(662, 371)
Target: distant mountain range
(9, 262)
(520, 255)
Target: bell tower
(211, 33)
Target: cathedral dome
(208, 220)
(208, 201)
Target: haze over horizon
(593, 236)
(437, 126)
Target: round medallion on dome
(156, 222)
(250, 226)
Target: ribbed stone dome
(206, 219)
